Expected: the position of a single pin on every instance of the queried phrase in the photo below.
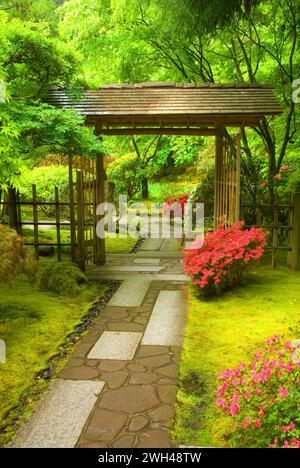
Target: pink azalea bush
(263, 396)
(225, 256)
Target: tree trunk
(145, 189)
(12, 207)
(110, 191)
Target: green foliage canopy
(32, 58)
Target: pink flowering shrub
(179, 202)
(280, 176)
(263, 396)
(225, 256)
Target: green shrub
(204, 193)
(46, 179)
(14, 258)
(160, 191)
(126, 172)
(63, 278)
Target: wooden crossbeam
(159, 131)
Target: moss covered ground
(113, 245)
(33, 323)
(223, 331)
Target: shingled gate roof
(164, 104)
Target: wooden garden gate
(196, 109)
(86, 192)
(227, 185)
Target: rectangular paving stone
(147, 261)
(167, 322)
(151, 244)
(131, 268)
(135, 278)
(131, 293)
(171, 245)
(153, 232)
(157, 254)
(116, 345)
(60, 415)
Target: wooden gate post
(100, 179)
(294, 257)
(80, 251)
(227, 173)
(100, 198)
(72, 211)
(238, 179)
(218, 172)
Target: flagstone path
(119, 387)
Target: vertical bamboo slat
(232, 186)
(57, 219)
(100, 260)
(35, 221)
(226, 180)
(238, 179)
(218, 173)
(72, 210)
(80, 252)
(95, 243)
(90, 215)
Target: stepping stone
(61, 415)
(116, 345)
(131, 293)
(171, 277)
(167, 322)
(130, 399)
(157, 254)
(152, 244)
(135, 278)
(147, 261)
(171, 245)
(131, 268)
(153, 232)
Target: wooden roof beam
(159, 131)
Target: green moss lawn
(113, 245)
(220, 333)
(33, 323)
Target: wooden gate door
(86, 194)
(227, 185)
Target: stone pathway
(119, 387)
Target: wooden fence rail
(13, 207)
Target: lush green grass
(33, 323)
(120, 244)
(48, 236)
(220, 333)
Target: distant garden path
(119, 387)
